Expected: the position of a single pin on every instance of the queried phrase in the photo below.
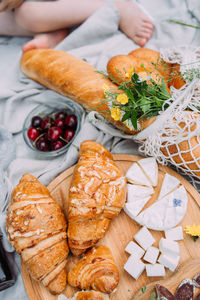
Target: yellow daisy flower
(122, 98)
(105, 88)
(130, 73)
(115, 113)
(193, 230)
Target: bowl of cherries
(51, 130)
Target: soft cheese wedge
(165, 213)
(170, 183)
(150, 168)
(135, 175)
(132, 209)
(134, 191)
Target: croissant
(90, 295)
(143, 61)
(96, 195)
(96, 270)
(36, 228)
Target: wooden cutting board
(121, 233)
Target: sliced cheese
(144, 238)
(135, 191)
(151, 255)
(174, 234)
(155, 270)
(134, 267)
(165, 213)
(150, 168)
(135, 250)
(132, 209)
(135, 175)
(169, 246)
(169, 261)
(169, 184)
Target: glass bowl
(69, 107)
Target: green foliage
(145, 98)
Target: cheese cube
(155, 270)
(174, 234)
(133, 249)
(144, 238)
(169, 261)
(134, 267)
(151, 255)
(168, 246)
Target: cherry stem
(38, 138)
(64, 140)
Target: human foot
(45, 40)
(134, 23)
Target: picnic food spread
(131, 97)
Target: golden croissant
(36, 228)
(97, 194)
(90, 295)
(96, 270)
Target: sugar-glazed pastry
(97, 194)
(36, 227)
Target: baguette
(36, 228)
(73, 78)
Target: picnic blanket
(96, 40)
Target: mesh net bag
(174, 137)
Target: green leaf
(183, 24)
(134, 119)
(144, 289)
(126, 116)
(130, 95)
(153, 296)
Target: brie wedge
(150, 168)
(134, 191)
(132, 209)
(135, 175)
(169, 184)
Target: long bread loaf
(73, 78)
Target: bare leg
(9, 27)
(53, 15)
(46, 40)
(134, 23)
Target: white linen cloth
(96, 40)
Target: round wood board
(120, 234)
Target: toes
(140, 40)
(28, 46)
(148, 25)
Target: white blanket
(97, 40)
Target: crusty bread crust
(73, 78)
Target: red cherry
(60, 115)
(33, 133)
(36, 121)
(57, 145)
(47, 123)
(54, 133)
(68, 135)
(42, 145)
(59, 123)
(71, 121)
